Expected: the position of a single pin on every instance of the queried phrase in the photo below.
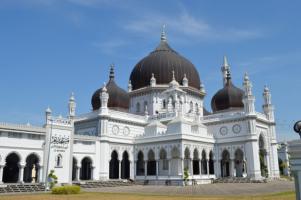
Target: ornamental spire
(225, 68)
(112, 73)
(163, 34)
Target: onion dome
(164, 59)
(228, 97)
(118, 98)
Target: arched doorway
(151, 163)
(196, 162)
(211, 163)
(239, 163)
(163, 163)
(187, 159)
(175, 164)
(262, 156)
(204, 162)
(11, 169)
(31, 169)
(125, 166)
(114, 166)
(86, 169)
(225, 164)
(140, 164)
(74, 169)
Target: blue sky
(50, 48)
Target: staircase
(17, 188)
(98, 184)
(237, 180)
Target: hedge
(67, 189)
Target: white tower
(130, 86)
(225, 68)
(104, 98)
(72, 106)
(185, 81)
(48, 114)
(153, 81)
(248, 99)
(268, 108)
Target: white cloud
(184, 24)
(111, 46)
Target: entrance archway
(74, 169)
(151, 163)
(204, 162)
(239, 165)
(211, 163)
(125, 166)
(140, 164)
(31, 169)
(11, 169)
(163, 163)
(196, 162)
(114, 166)
(225, 164)
(86, 169)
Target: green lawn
(110, 196)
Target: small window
(58, 160)
(164, 103)
(138, 107)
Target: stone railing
(26, 127)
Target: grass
(111, 196)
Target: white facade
(163, 133)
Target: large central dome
(161, 62)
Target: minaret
(48, 114)
(185, 81)
(225, 68)
(202, 88)
(268, 108)
(248, 99)
(72, 106)
(153, 81)
(104, 97)
(130, 86)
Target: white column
(1, 173)
(119, 163)
(77, 175)
(182, 167)
(207, 167)
(21, 173)
(200, 167)
(145, 169)
(157, 168)
(233, 172)
(169, 170)
(268, 164)
(92, 173)
(190, 168)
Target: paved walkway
(210, 189)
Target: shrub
(67, 189)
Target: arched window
(191, 106)
(138, 107)
(145, 105)
(196, 108)
(164, 104)
(58, 160)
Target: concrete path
(210, 189)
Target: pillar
(233, 172)
(119, 163)
(1, 173)
(169, 170)
(191, 168)
(157, 168)
(200, 167)
(40, 174)
(207, 167)
(21, 173)
(133, 175)
(92, 172)
(77, 176)
(182, 167)
(268, 164)
(145, 169)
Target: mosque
(155, 132)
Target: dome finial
(163, 34)
(225, 64)
(228, 77)
(112, 73)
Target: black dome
(118, 98)
(228, 97)
(161, 62)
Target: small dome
(118, 98)
(161, 62)
(228, 97)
